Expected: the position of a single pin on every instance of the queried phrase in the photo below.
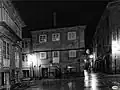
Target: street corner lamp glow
(90, 56)
(85, 60)
(115, 46)
(31, 59)
(69, 67)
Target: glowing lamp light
(70, 67)
(31, 59)
(91, 56)
(115, 46)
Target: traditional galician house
(10, 44)
(106, 41)
(57, 50)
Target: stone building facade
(106, 40)
(26, 51)
(57, 50)
(10, 43)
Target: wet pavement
(91, 81)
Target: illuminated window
(42, 38)
(71, 35)
(43, 55)
(56, 37)
(72, 53)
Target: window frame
(44, 40)
(70, 37)
(54, 55)
(45, 57)
(55, 37)
(6, 50)
(72, 53)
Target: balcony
(2, 23)
(7, 21)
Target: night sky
(39, 14)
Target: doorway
(44, 72)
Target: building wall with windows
(10, 47)
(26, 51)
(60, 47)
(106, 39)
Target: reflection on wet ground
(91, 81)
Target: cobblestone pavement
(91, 81)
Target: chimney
(54, 19)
